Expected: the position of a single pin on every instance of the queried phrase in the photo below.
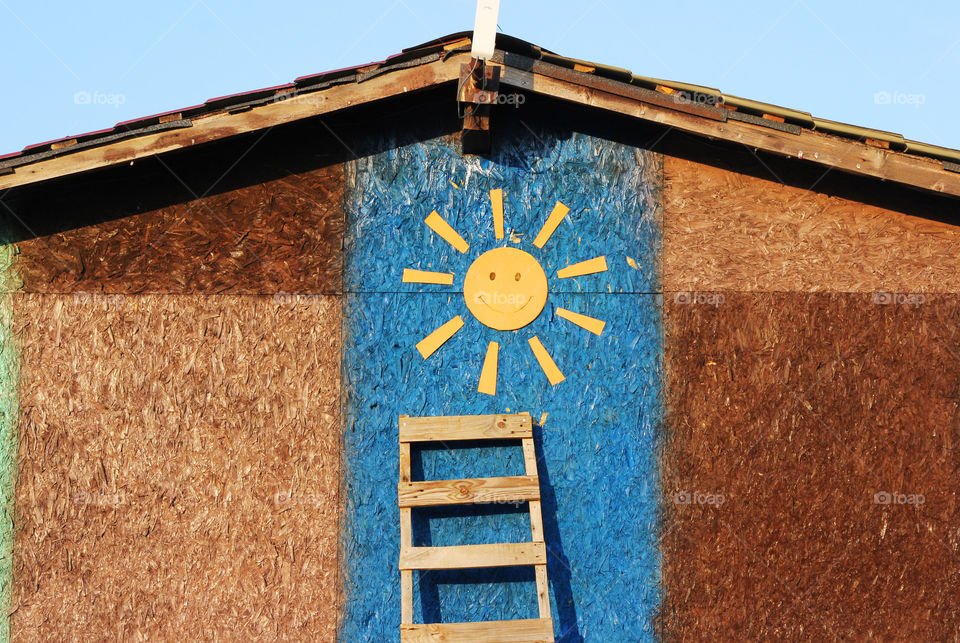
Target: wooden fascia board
(223, 124)
(536, 76)
(824, 149)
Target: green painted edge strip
(9, 415)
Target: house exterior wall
(201, 387)
(811, 366)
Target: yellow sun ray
(488, 376)
(496, 202)
(585, 322)
(588, 267)
(411, 276)
(549, 367)
(512, 290)
(559, 212)
(429, 344)
(439, 225)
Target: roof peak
(435, 57)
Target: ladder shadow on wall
(558, 566)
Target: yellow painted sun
(505, 289)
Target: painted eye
(493, 276)
(516, 277)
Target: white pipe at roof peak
(485, 29)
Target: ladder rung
(465, 427)
(473, 556)
(468, 491)
(534, 630)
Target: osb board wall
(179, 467)
(725, 230)
(603, 420)
(788, 414)
(282, 234)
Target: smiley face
(505, 288)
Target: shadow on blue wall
(558, 566)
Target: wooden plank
(529, 456)
(536, 515)
(222, 124)
(618, 87)
(536, 630)
(536, 529)
(63, 144)
(824, 149)
(468, 491)
(543, 591)
(465, 427)
(406, 595)
(473, 556)
(536, 522)
(406, 538)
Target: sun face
(505, 289)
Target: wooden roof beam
(816, 147)
(222, 125)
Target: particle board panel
(179, 468)
(724, 230)
(810, 468)
(610, 195)
(280, 236)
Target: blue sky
(827, 57)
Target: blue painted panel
(612, 192)
(597, 448)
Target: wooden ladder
(464, 492)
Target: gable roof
(696, 109)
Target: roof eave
(698, 110)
